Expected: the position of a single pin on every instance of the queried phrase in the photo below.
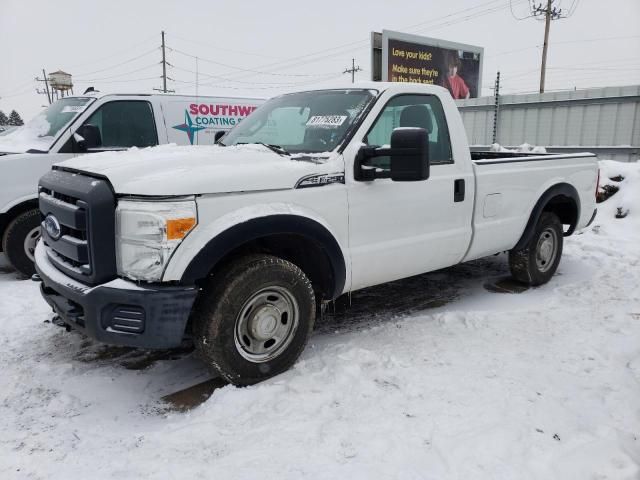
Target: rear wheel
(536, 263)
(20, 239)
(253, 318)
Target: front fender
(209, 243)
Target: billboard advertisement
(412, 58)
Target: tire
(19, 241)
(536, 263)
(253, 319)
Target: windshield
(306, 122)
(41, 132)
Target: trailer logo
(188, 127)
(52, 226)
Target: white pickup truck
(96, 122)
(318, 193)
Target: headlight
(147, 233)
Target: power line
(350, 46)
(344, 48)
(230, 87)
(20, 87)
(123, 81)
(18, 93)
(472, 16)
(242, 69)
(217, 47)
(111, 67)
(116, 54)
(85, 80)
(463, 15)
(562, 42)
(514, 15)
(267, 69)
(218, 77)
(464, 10)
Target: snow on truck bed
(543, 384)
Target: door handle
(458, 190)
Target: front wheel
(253, 319)
(536, 263)
(20, 239)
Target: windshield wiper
(274, 148)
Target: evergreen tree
(15, 119)
(3, 119)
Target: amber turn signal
(178, 228)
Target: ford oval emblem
(52, 226)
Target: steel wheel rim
(266, 324)
(546, 249)
(30, 242)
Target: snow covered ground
(435, 377)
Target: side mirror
(410, 154)
(90, 137)
(218, 136)
(408, 157)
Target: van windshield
(306, 122)
(40, 133)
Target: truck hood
(171, 170)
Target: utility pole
(547, 24)
(46, 84)
(164, 69)
(164, 65)
(550, 13)
(496, 108)
(353, 70)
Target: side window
(124, 124)
(422, 111)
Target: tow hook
(36, 278)
(56, 320)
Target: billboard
(412, 58)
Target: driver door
(400, 229)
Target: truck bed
(508, 186)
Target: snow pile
(625, 177)
(524, 148)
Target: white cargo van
(96, 122)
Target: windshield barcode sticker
(73, 108)
(326, 120)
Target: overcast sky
(114, 45)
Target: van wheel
(536, 263)
(20, 239)
(253, 318)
